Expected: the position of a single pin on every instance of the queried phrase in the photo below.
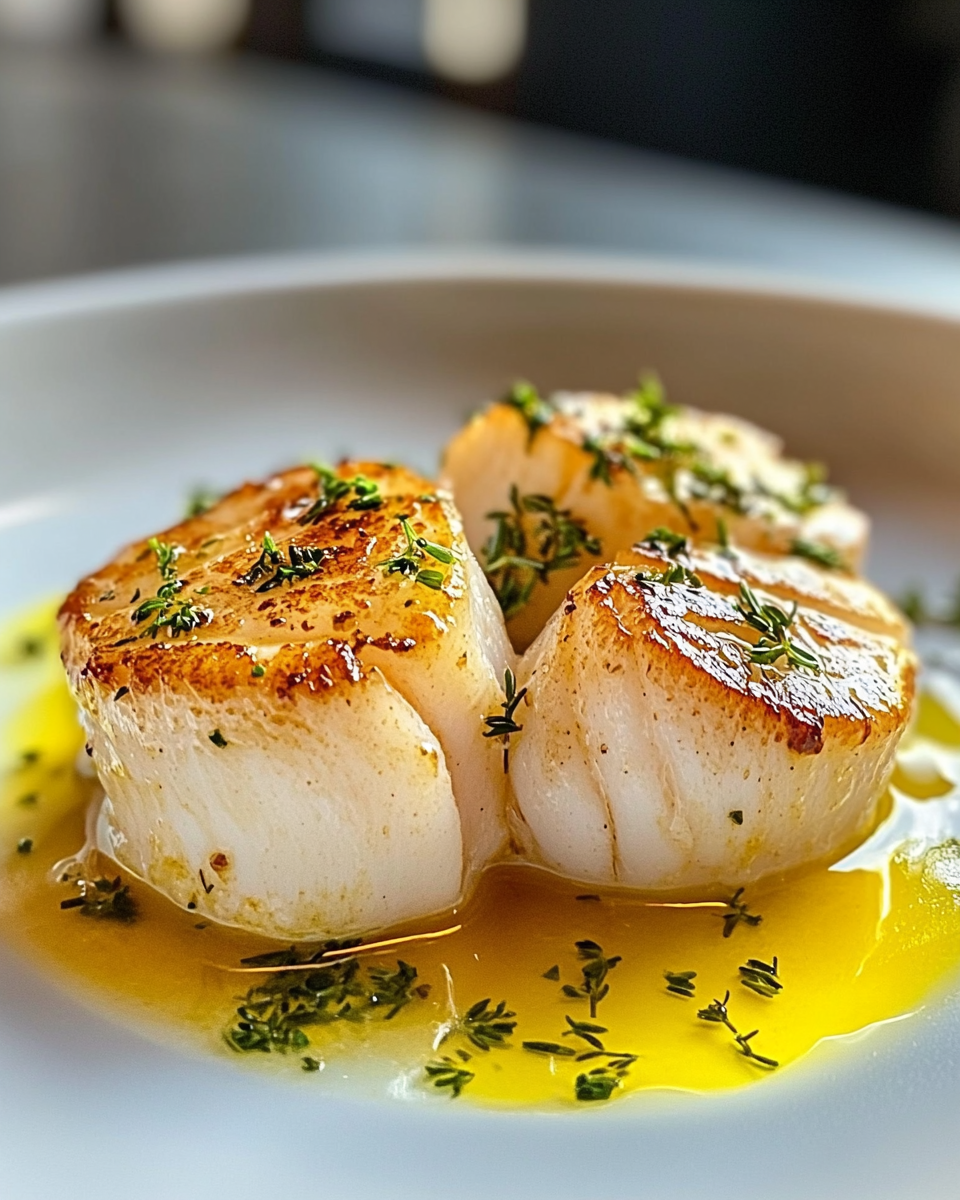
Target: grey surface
(108, 160)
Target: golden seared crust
(248, 628)
(695, 640)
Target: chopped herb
(366, 493)
(485, 1027)
(914, 606)
(505, 726)
(675, 573)
(302, 562)
(715, 485)
(588, 896)
(585, 1030)
(594, 987)
(120, 693)
(528, 402)
(29, 758)
(446, 1074)
(761, 977)
(30, 647)
(517, 557)
(104, 898)
(28, 799)
(273, 1015)
(738, 913)
(408, 563)
(218, 739)
(258, 670)
(167, 613)
(716, 1012)
(310, 1064)
(200, 501)
(666, 541)
(723, 537)
(772, 624)
(818, 552)
(553, 974)
(680, 983)
(25, 845)
(598, 1084)
(736, 816)
(550, 1048)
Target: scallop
(548, 487)
(284, 697)
(698, 719)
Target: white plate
(118, 394)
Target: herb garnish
(528, 402)
(680, 983)
(105, 898)
(302, 562)
(761, 977)
(218, 739)
(772, 624)
(446, 1074)
(177, 617)
(717, 1013)
(598, 1084)
(738, 912)
(594, 987)
(366, 493)
(504, 726)
(200, 501)
(409, 563)
(485, 1027)
(310, 1064)
(553, 1048)
(553, 974)
(516, 558)
(25, 845)
(675, 573)
(736, 816)
(272, 1015)
(819, 553)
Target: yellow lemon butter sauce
(862, 941)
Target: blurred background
(766, 134)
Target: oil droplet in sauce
(856, 943)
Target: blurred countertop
(110, 160)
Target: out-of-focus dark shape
(50, 20)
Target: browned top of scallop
(336, 560)
(705, 623)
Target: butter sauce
(867, 940)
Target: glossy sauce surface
(864, 941)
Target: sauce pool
(856, 943)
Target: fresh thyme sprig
(667, 542)
(761, 977)
(819, 553)
(302, 562)
(366, 493)
(737, 913)
(680, 983)
(504, 725)
(674, 573)
(166, 611)
(103, 898)
(594, 987)
(716, 1012)
(640, 438)
(408, 563)
(716, 485)
(517, 557)
(598, 1084)
(272, 1015)
(772, 624)
(445, 1073)
(528, 402)
(200, 501)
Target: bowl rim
(298, 271)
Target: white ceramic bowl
(119, 393)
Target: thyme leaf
(737, 913)
(680, 983)
(772, 624)
(331, 489)
(409, 562)
(301, 562)
(761, 977)
(532, 539)
(104, 898)
(535, 410)
(504, 726)
(594, 987)
(819, 553)
(445, 1073)
(485, 1027)
(716, 1012)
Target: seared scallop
(697, 718)
(548, 487)
(284, 698)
